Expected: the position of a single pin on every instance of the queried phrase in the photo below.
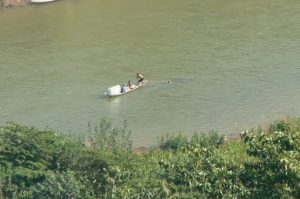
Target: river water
(233, 64)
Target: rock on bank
(10, 3)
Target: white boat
(116, 90)
(41, 1)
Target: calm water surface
(234, 64)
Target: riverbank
(13, 3)
(16, 3)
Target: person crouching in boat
(124, 88)
(140, 78)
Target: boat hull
(42, 1)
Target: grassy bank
(46, 164)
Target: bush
(276, 173)
(210, 139)
(198, 172)
(115, 139)
(173, 142)
(44, 164)
(25, 154)
(60, 186)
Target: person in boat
(124, 88)
(140, 78)
(130, 86)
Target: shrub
(173, 142)
(276, 173)
(110, 138)
(210, 139)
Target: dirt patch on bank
(13, 3)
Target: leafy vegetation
(46, 164)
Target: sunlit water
(233, 64)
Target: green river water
(234, 64)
